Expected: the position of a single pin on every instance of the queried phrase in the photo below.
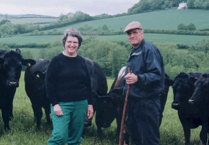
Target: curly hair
(71, 32)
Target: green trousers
(69, 127)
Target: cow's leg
(5, 116)
(37, 113)
(126, 138)
(10, 110)
(203, 134)
(47, 112)
(99, 131)
(118, 121)
(187, 134)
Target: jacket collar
(140, 45)
(133, 50)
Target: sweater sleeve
(51, 82)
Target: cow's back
(98, 78)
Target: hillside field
(162, 20)
(159, 38)
(30, 20)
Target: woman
(68, 87)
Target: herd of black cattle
(191, 94)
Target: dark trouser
(69, 127)
(143, 120)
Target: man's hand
(58, 110)
(90, 112)
(131, 78)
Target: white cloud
(56, 7)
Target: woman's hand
(58, 110)
(90, 112)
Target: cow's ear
(28, 62)
(39, 74)
(192, 80)
(18, 50)
(168, 81)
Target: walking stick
(124, 113)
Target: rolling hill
(163, 20)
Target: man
(146, 81)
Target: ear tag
(37, 76)
(29, 64)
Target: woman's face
(71, 45)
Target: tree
(190, 4)
(198, 4)
(191, 27)
(104, 27)
(4, 21)
(206, 5)
(181, 26)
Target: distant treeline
(111, 56)
(151, 5)
(29, 45)
(108, 32)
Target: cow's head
(181, 89)
(105, 110)
(39, 80)
(201, 92)
(11, 65)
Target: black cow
(114, 101)
(35, 89)
(201, 97)
(190, 116)
(10, 70)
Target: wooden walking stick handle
(124, 113)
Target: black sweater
(67, 80)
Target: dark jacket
(147, 63)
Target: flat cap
(133, 25)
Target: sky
(57, 7)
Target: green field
(164, 20)
(23, 128)
(160, 38)
(30, 20)
(23, 39)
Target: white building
(182, 6)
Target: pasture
(23, 128)
(160, 38)
(162, 20)
(157, 38)
(30, 20)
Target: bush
(182, 46)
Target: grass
(23, 39)
(30, 20)
(159, 38)
(164, 20)
(23, 129)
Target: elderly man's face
(135, 37)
